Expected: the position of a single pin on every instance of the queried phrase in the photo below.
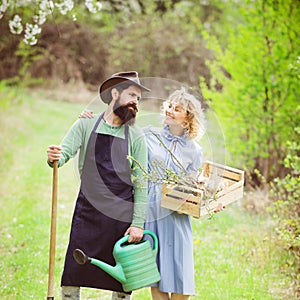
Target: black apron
(103, 211)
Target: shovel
(50, 295)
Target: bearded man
(109, 205)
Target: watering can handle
(155, 240)
(125, 238)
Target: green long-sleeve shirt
(77, 139)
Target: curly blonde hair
(195, 118)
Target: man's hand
(53, 153)
(136, 234)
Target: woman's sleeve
(197, 160)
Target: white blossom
(40, 18)
(30, 34)
(93, 6)
(15, 25)
(47, 6)
(3, 7)
(65, 6)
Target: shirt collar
(181, 139)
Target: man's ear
(114, 94)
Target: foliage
(169, 44)
(160, 47)
(33, 14)
(159, 38)
(286, 207)
(27, 17)
(253, 89)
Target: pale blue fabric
(174, 231)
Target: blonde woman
(174, 148)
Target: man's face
(126, 106)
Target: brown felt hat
(131, 76)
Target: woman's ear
(114, 94)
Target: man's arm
(139, 152)
(68, 147)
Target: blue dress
(174, 231)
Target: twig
(190, 180)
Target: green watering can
(135, 263)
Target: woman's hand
(86, 114)
(219, 208)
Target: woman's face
(175, 114)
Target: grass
(236, 254)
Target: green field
(236, 253)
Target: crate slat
(184, 199)
(232, 194)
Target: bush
(286, 207)
(259, 94)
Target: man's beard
(127, 113)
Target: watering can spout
(114, 271)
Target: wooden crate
(226, 183)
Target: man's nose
(135, 100)
(132, 103)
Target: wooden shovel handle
(50, 295)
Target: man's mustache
(132, 105)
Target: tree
(161, 38)
(253, 87)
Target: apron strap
(98, 121)
(126, 132)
